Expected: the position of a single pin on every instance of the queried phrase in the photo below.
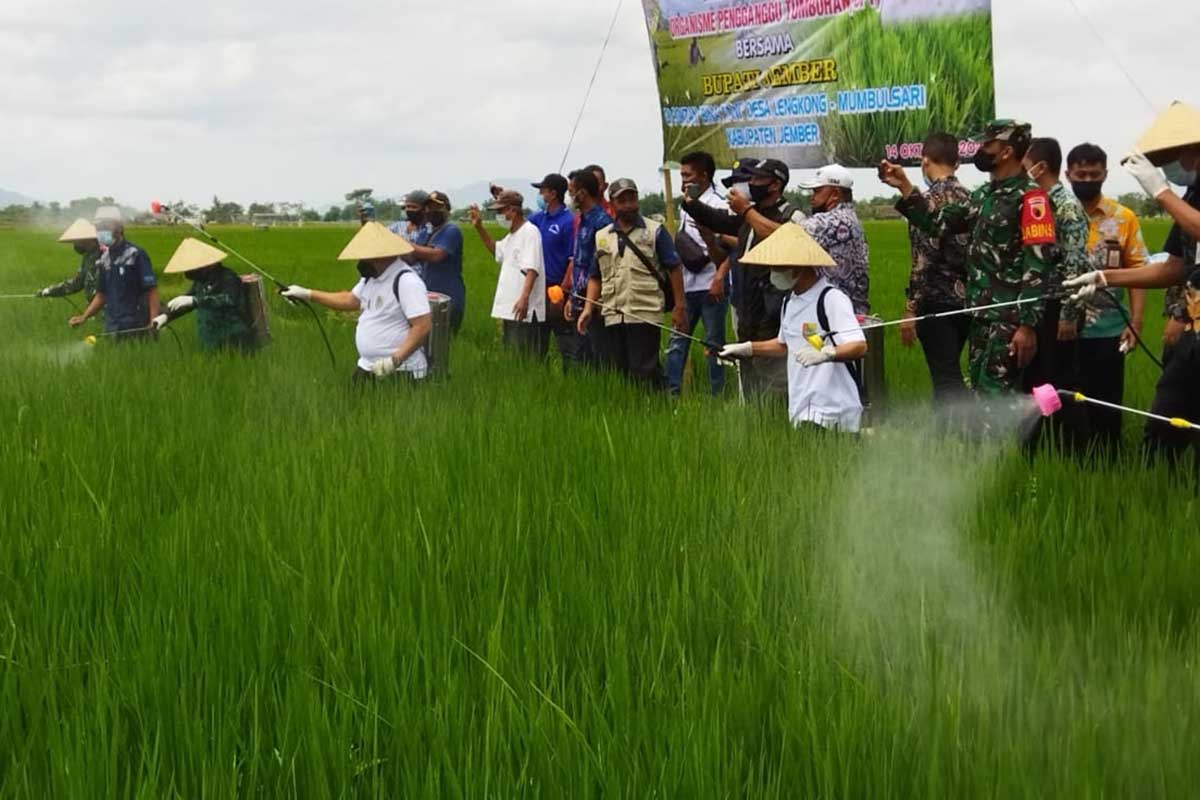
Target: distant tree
(310, 215)
(261, 208)
(359, 195)
(1139, 204)
(223, 212)
(333, 214)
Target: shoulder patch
(1037, 222)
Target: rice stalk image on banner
(813, 82)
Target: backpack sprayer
(157, 209)
(1049, 402)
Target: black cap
(772, 168)
(741, 172)
(553, 181)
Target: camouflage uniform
(840, 234)
(1072, 255)
(220, 310)
(85, 280)
(1184, 247)
(1005, 261)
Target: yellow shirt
(1112, 222)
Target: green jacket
(220, 310)
(86, 279)
(1071, 256)
(1005, 261)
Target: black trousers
(1101, 374)
(1043, 368)
(1177, 395)
(942, 341)
(633, 350)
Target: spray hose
(159, 208)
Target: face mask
(436, 219)
(571, 204)
(759, 192)
(1179, 176)
(1034, 174)
(1086, 191)
(415, 217)
(366, 270)
(541, 203)
(985, 161)
(196, 274)
(81, 249)
(105, 238)
(781, 280)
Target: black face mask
(1087, 191)
(437, 219)
(985, 161)
(196, 275)
(759, 191)
(82, 249)
(415, 217)
(367, 270)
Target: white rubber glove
(811, 357)
(184, 302)
(159, 322)
(382, 367)
(1086, 285)
(739, 350)
(44, 292)
(293, 293)
(1152, 179)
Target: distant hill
(8, 198)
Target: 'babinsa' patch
(1037, 223)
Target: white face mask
(783, 280)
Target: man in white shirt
(395, 320)
(521, 289)
(818, 333)
(705, 285)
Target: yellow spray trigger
(1079, 398)
(816, 341)
(90, 340)
(1177, 422)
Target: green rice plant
(236, 576)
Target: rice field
(227, 577)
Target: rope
(588, 94)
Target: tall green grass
(237, 577)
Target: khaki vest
(625, 283)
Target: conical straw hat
(78, 231)
(193, 254)
(1178, 126)
(789, 246)
(374, 241)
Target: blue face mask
(541, 203)
(105, 238)
(1179, 176)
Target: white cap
(108, 214)
(832, 175)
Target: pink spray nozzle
(156, 207)
(1047, 399)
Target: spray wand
(158, 208)
(93, 338)
(1049, 402)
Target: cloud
(304, 100)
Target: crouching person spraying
(818, 333)
(218, 296)
(396, 320)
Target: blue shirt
(664, 249)
(125, 277)
(558, 242)
(590, 224)
(445, 276)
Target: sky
(306, 100)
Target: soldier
(1010, 224)
(81, 234)
(126, 287)
(217, 296)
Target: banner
(813, 82)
